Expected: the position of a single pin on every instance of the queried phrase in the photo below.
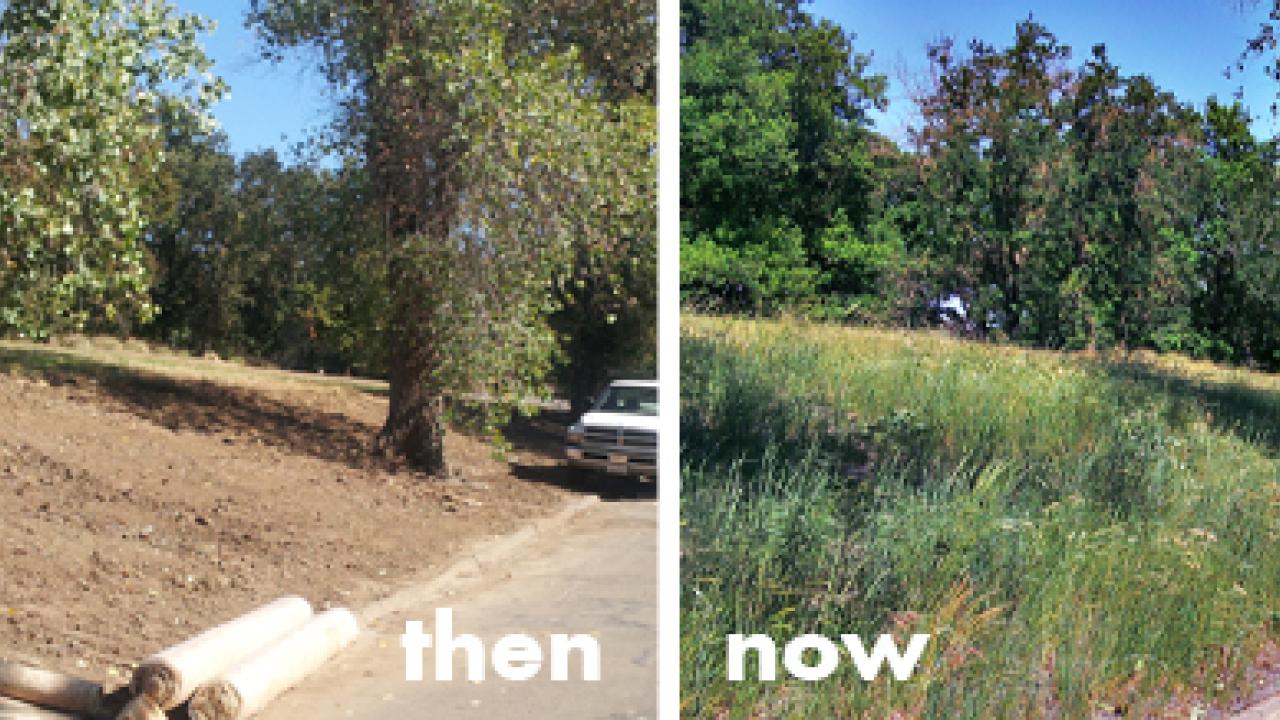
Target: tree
(1048, 203)
(607, 320)
(1058, 197)
(196, 286)
(616, 40)
(777, 181)
(1236, 275)
(475, 150)
(82, 86)
(262, 258)
(1132, 146)
(991, 162)
(608, 299)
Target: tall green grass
(1081, 536)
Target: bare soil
(141, 502)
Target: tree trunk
(415, 420)
(418, 203)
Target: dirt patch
(139, 508)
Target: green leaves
(773, 146)
(1058, 202)
(496, 163)
(81, 84)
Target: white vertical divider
(669, 358)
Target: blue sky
(1184, 45)
(267, 100)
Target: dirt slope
(137, 507)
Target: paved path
(597, 574)
(1267, 710)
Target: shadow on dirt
(243, 415)
(544, 433)
(608, 487)
(238, 414)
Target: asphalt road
(595, 574)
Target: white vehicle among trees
(619, 435)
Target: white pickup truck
(619, 435)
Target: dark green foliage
(261, 259)
(1236, 292)
(991, 160)
(777, 176)
(1044, 200)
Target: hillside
(1083, 536)
(149, 494)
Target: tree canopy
(777, 176)
(83, 84)
(1046, 197)
(488, 153)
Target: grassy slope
(1081, 535)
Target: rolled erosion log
(247, 688)
(51, 690)
(141, 708)
(170, 676)
(17, 710)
